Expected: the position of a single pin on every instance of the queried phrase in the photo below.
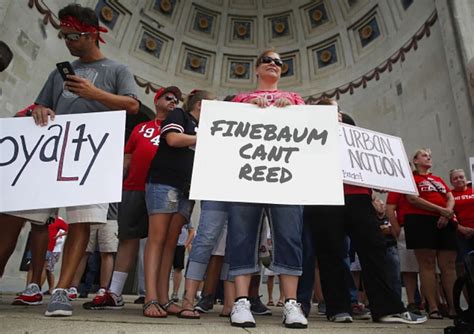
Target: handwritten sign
(273, 155)
(375, 160)
(74, 160)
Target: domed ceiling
(328, 46)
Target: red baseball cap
(163, 90)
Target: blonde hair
(194, 97)
(326, 101)
(417, 153)
(455, 170)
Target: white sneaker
(343, 317)
(101, 292)
(241, 315)
(72, 293)
(404, 318)
(293, 316)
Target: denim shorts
(162, 198)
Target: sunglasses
(269, 60)
(170, 98)
(74, 36)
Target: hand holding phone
(65, 69)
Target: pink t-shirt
(271, 95)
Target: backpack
(464, 323)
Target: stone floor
(30, 319)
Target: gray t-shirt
(105, 74)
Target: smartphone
(65, 68)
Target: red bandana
(72, 22)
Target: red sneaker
(72, 293)
(104, 300)
(30, 296)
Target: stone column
(456, 22)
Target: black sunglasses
(74, 36)
(268, 60)
(170, 98)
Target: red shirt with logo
(464, 207)
(271, 95)
(432, 189)
(142, 145)
(402, 205)
(53, 229)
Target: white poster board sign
(74, 160)
(267, 155)
(375, 160)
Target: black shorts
(178, 262)
(421, 232)
(132, 216)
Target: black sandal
(194, 316)
(168, 305)
(435, 315)
(155, 304)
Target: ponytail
(194, 97)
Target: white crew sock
(118, 282)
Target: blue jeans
(356, 219)
(464, 247)
(306, 282)
(211, 223)
(350, 280)
(393, 268)
(286, 225)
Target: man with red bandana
(99, 84)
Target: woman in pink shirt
(286, 221)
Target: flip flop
(155, 304)
(270, 303)
(435, 315)
(182, 316)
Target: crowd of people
(311, 246)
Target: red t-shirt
(53, 229)
(350, 189)
(464, 207)
(432, 189)
(402, 205)
(142, 145)
(271, 95)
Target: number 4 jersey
(142, 145)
